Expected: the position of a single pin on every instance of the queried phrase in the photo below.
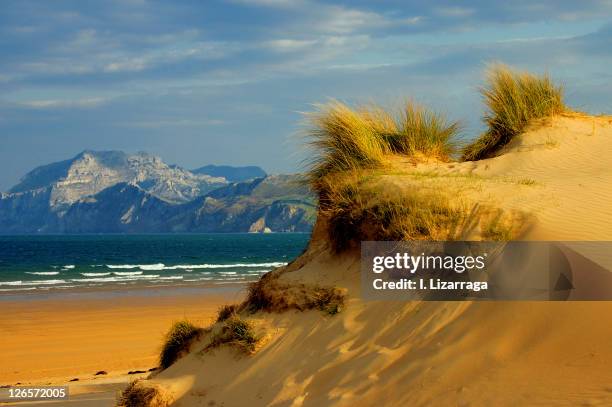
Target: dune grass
(513, 98)
(270, 295)
(140, 394)
(178, 340)
(356, 213)
(345, 139)
(235, 332)
(226, 312)
(421, 131)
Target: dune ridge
(555, 175)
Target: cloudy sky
(200, 82)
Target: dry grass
(139, 394)
(270, 295)
(423, 132)
(345, 139)
(513, 99)
(235, 332)
(356, 213)
(226, 312)
(178, 340)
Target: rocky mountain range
(115, 192)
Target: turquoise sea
(49, 263)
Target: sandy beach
(54, 338)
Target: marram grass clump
(178, 340)
(235, 332)
(513, 99)
(271, 295)
(356, 214)
(140, 394)
(345, 139)
(421, 131)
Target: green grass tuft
(513, 98)
(178, 340)
(345, 139)
(423, 132)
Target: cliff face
(98, 192)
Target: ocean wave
(228, 272)
(222, 266)
(127, 273)
(43, 282)
(17, 289)
(95, 274)
(187, 267)
(68, 267)
(33, 282)
(114, 279)
(43, 273)
(147, 267)
(11, 282)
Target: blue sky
(224, 82)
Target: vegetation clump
(270, 295)
(226, 311)
(358, 215)
(178, 340)
(139, 394)
(345, 139)
(513, 99)
(235, 332)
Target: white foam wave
(95, 274)
(114, 279)
(43, 282)
(43, 273)
(191, 267)
(127, 273)
(69, 266)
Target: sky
(226, 82)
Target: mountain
(232, 174)
(115, 192)
(92, 171)
(275, 203)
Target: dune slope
(555, 179)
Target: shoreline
(141, 289)
(56, 337)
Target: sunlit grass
(513, 98)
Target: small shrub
(178, 340)
(139, 394)
(235, 332)
(513, 99)
(226, 311)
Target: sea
(43, 263)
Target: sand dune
(557, 176)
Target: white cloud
(64, 103)
(287, 44)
